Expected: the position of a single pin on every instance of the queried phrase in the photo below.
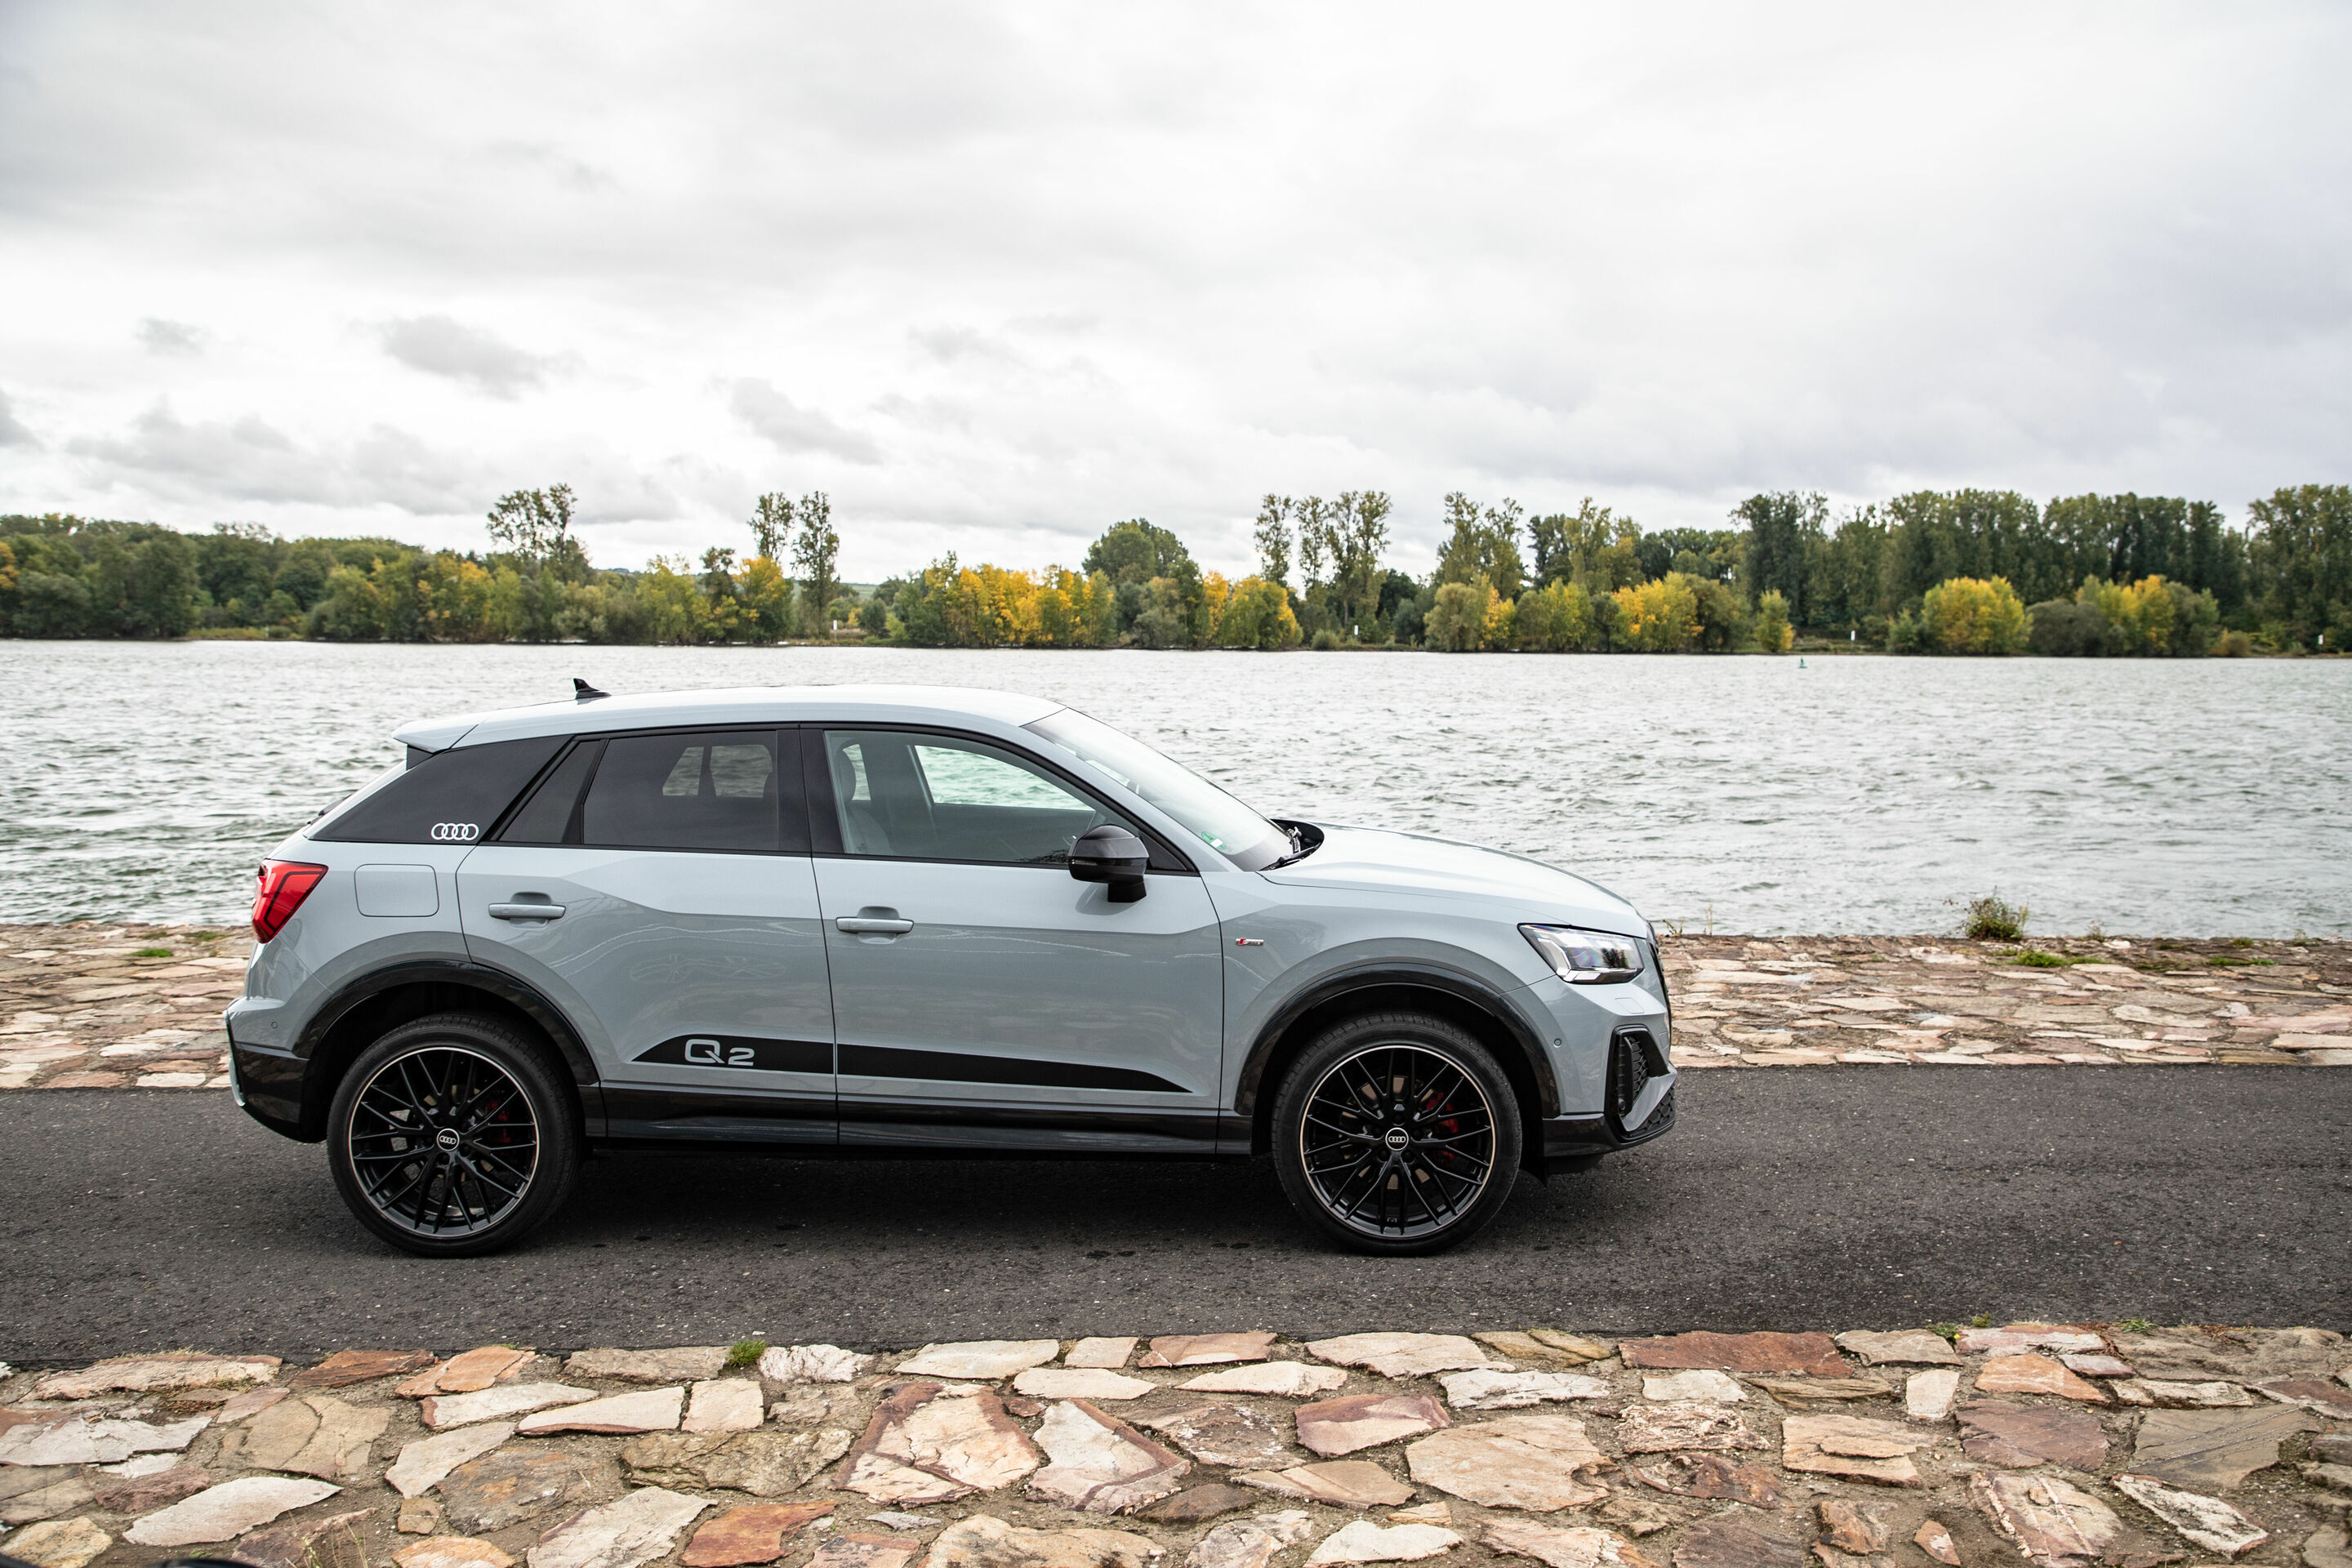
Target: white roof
(738, 705)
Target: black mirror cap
(1111, 854)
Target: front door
(657, 888)
(983, 997)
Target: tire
(495, 1146)
(1430, 1165)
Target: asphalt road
(1795, 1199)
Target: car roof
(737, 705)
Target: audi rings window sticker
(456, 832)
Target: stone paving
(2056, 1002)
(1965, 1447)
(94, 1005)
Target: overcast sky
(994, 276)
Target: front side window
(941, 798)
(714, 790)
(1222, 823)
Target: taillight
(284, 885)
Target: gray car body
(1207, 985)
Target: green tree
(1482, 542)
(1554, 618)
(1458, 617)
(536, 526)
(2302, 556)
(1591, 545)
(1785, 530)
(813, 553)
(1273, 537)
(1136, 550)
(1360, 532)
(772, 526)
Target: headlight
(1585, 957)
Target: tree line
(1960, 571)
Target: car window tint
(444, 798)
(707, 791)
(936, 797)
(546, 816)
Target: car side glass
(710, 790)
(547, 816)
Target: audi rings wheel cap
(443, 1141)
(1398, 1141)
(456, 832)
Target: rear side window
(549, 817)
(448, 797)
(701, 789)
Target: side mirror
(1111, 854)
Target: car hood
(1374, 860)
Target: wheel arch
(358, 1013)
(1459, 1000)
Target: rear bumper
(269, 1086)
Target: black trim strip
(956, 1067)
(742, 1052)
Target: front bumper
(1638, 1100)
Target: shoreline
(123, 1005)
(1802, 649)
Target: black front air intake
(1634, 1060)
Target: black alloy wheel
(1397, 1133)
(452, 1136)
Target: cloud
(785, 425)
(12, 430)
(164, 337)
(1035, 267)
(249, 459)
(481, 360)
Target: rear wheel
(452, 1136)
(1397, 1133)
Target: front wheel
(452, 1136)
(1397, 1133)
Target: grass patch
(1980, 1321)
(2033, 958)
(1949, 1330)
(2220, 962)
(206, 936)
(152, 953)
(743, 1352)
(1994, 919)
(2135, 1325)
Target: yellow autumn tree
(1973, 616)
(1658, 617)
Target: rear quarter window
(448, 797)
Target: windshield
(1220, 821)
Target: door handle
(862, 925)
(527, 911)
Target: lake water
(2209, 797)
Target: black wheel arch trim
(1386, 976)
(523, 997)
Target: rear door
(983, 998)
(658, 887)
